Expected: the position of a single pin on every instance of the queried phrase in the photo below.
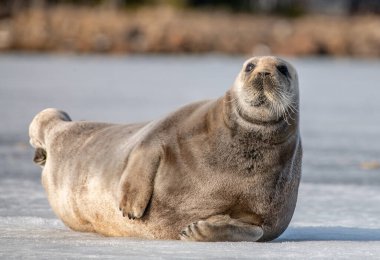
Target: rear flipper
(43, 124)
(221, 228)
(40, 156)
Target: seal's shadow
(329, 234)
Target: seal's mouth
(260, 88)
(259, 101)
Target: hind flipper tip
(40, 156)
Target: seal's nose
(263, 73)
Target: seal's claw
(190, 232)
(183, 234)
(133, 203)
(131, 216)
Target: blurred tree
(284, 7)
(281, 7)
(364, 6)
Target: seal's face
(266, 90)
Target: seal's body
(219, 170)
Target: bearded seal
(217, 170)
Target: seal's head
(266, 91)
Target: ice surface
(337, 215)
(330, 221)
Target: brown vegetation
(166, 30)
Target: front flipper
(136, 184)
(221, 228)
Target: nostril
(263, 73)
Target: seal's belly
(84, 197)
(82, 172)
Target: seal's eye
(249, 67)
(283, 69)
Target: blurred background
(287, 27)
(127, 61)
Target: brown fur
(203, 173)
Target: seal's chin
(259, 101)
(257, 110)
(259, 120)
(267, 107)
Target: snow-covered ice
(337, 214)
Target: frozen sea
(338, 210)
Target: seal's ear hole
(40, 156)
